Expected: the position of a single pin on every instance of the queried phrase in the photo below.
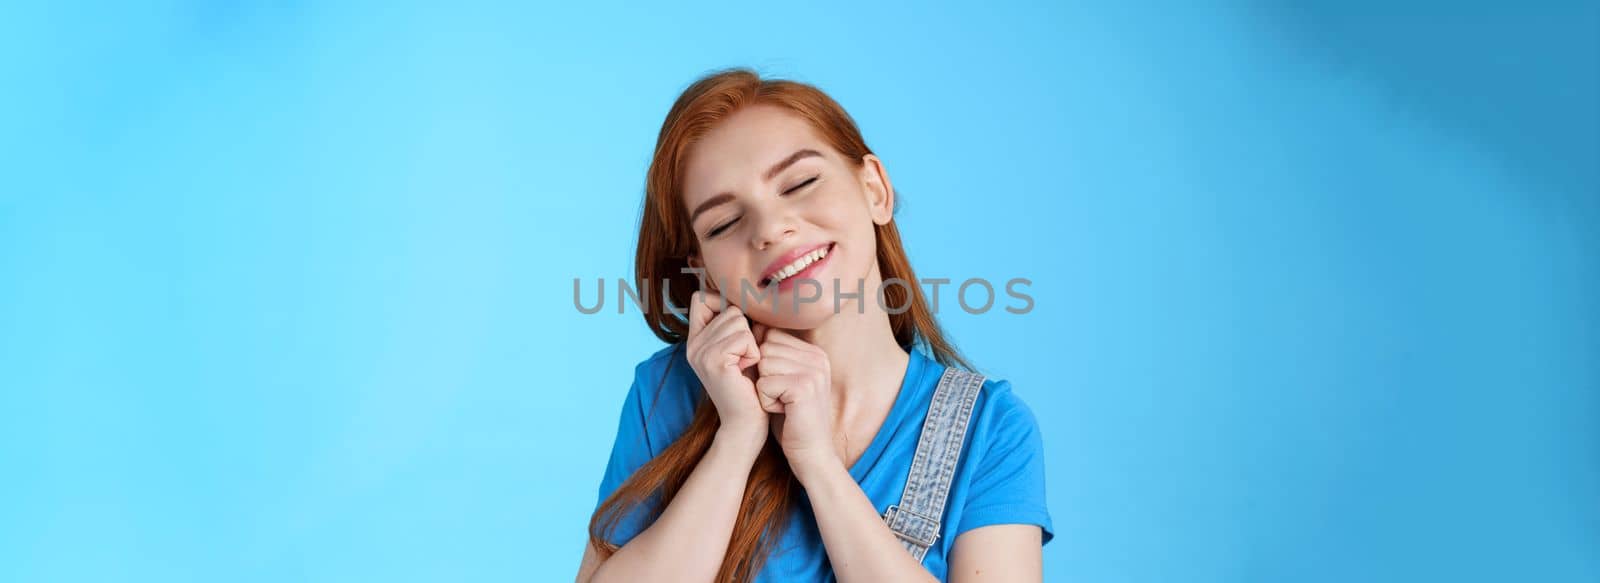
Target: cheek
(724, 266)
(840, 210)
(848, 216)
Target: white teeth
(799, 264)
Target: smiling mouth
(798, 265)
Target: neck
(867, 363)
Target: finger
(728, 322)
(769, 391)
(714, 300)
(779, 388)
(804, 356)
(731, 337)
(737, 348)
(760, 331)
(700, 313)
(745, 346)
(781, 336)
(779, 359)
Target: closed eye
(717, 230)
(722, 227)
(807, 182)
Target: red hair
(665, 243)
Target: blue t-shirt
(999, 479)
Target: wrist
(746, 438)
(809, 468)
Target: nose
(771, 226)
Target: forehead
(734, 154)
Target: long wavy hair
(665, 243)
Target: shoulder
(659, 365)
(1003, 427)
(997, 400)
(1001, 424)
(1004, 467)
(997, 406)
(665, 392)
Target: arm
(1000, 552)
(860, 546)
(688, 541)
(795, 383)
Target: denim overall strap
(916, 518)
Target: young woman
(779, 429)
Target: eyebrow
(771, 173)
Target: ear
(878, 190)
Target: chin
(785, 315)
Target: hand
(796, 386)
(722, 351)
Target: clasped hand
(763, 379)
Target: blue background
(286, 288)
